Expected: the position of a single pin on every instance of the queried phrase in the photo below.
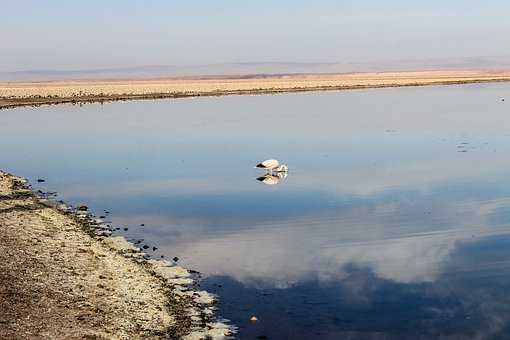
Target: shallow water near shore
(393, 222)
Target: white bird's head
(282, 168)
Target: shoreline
(64, 275)
(13, 94)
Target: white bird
(268, 164)
(271, 165)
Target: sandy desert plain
(14, 94)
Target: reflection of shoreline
(15, 94)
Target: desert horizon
(271, 68)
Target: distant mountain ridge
(257, 68)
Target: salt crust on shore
(113, 291)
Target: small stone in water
(154, 248)
(40, 180)
(175, 259)
(126, 229)
(83, 208)
(142, 225)
(145, 246)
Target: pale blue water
(393, 222)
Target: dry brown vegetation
(32, 93)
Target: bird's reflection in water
(272, 178)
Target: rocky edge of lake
(62, 275)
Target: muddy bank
(62, 276)
(13, 94)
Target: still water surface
(394, 220)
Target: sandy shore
(14, 94)
(63, 277)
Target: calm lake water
(393, 222)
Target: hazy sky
(66, 35)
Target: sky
(71, 35)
